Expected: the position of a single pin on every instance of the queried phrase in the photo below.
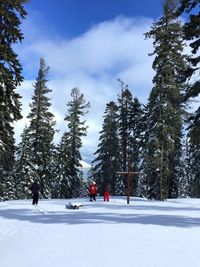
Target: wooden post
(128, 173)
(128, 182)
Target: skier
(92, 191)
(107, 192)
(35, 188)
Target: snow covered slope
(100, 234)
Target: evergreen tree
(136, 124)
(163, 137)
(194, 163)
(185, 184)
(192, 35)
(192, 74)
(130, 125)
(41, 132)
(24, 168)
(84, 188)
(69, 156)
(9, 186)
(63, 179)
(11, 14)
(124, 107)
(107, 162)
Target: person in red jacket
(92, 191)
(106, 195)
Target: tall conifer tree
(163, 137)
(11, 14)
(192, 35)
(69, 156)
(124, 108)
(136, 124)
(62, 183)
(41, 131)
(130, 132)
(24, 171)
(192, 75)
(107, 161)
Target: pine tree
(24, 167)
(192, 74)
(9, 186)
(163, 137)
(11, 14)
(194, 163)
(136, 124)
(191, 34)
(41, 132)
(107, 162)
(63, 179)
(84, 188)
(69, 156)
(130, 124)
(185, 183)
(125, 100)
(124, 106)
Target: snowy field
(142, 234)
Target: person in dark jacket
(35, 188)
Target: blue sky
(88, 44)
(73, 17)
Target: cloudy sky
(88, 44)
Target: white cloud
(93, 62)
(105, 47)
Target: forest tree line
(161, 139)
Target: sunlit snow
(100, 234)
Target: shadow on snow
(85, 215)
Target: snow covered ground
(143, 234)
